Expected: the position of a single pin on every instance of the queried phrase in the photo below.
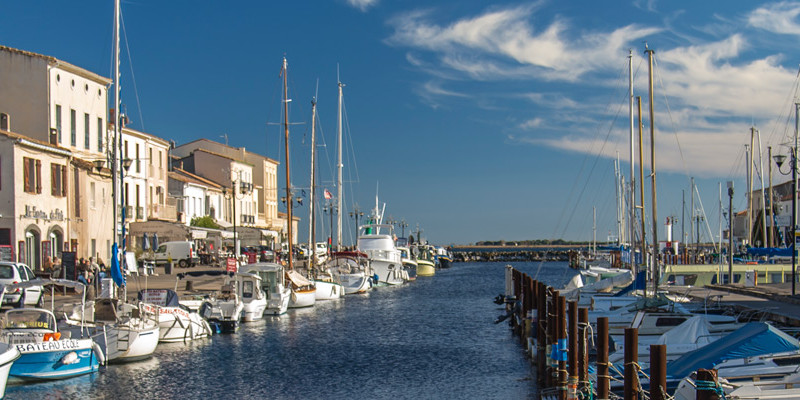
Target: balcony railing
(162, 211)
(139, 212)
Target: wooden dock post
(603, 382)
(562, 348)
(706, 375)
(541, 334)
(658, 372)
(631, 391)
(552, 315)
(583, 348)
(572, 351)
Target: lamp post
(403, 224)
(232, 195)
(355, 214)
(779, 159)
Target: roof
(282, 215)
(129, 131)
(39, 144)
(61, 64)
(188, 177)
(197, 141)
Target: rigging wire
(133, 76)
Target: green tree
(204, 222)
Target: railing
(139, 212)
(162, 211)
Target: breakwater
(514, 254)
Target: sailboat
(303, 294)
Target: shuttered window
(32, 175)
(58, 180)
(38, 177)
(77, 192)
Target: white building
(145, 184)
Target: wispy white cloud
(777, 18)
(531, 123)
(362, 5)
(647, 5)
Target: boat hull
(122, 343)
(52, 360)
(425, 268)
(302, 298)
(254, 310)
(278, 302)
(179, 325)
(355, 283)
(389, 273)
(8, 355)
(328, 290)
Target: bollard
(189, 286)
(631, 362)
(562, 348)
(706, 383)
(583, 349)
(658, 372)
(602, 358)
(572, 352)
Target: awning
(268, 233)
(198, 234)
(223, 223)
(227, 234)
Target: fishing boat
(353, 271)
(409, 262)
(176, 323)
(304, 293)
(273, 283)
(33, 348)
(376, 240)
(426, 264)
(443, 257)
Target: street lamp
(779, 159)
(403, 224)
(356, 213)
(232, 195)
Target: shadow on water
(433, 338)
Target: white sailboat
(353, 271)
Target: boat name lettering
(67, 344)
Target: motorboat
(304, 293)
(377, 241)
(176, 323)
(33, 348)
(273, 283)
(426, 264)
(248, 289)
(409, 262)
(443, 257)
(353, 270)
(221, 308)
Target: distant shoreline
(525, 246)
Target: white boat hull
(254, 310)
(390, 273)
(301, 299)
(355, 283)
(123, 343)
(179, 325)
(8, 355)
(328, 290)
(278, 302)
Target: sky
(472, 121)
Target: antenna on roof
(225, 135)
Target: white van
(183, 253)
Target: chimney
(5, 122)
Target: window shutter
(63, 180)
(26, 170)
(54, 180)
(38, 177)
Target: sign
(33, 213)
(6, 253)
(251, 258)
(155, 296)
(50, 345)
(231, 265)
(68, 265)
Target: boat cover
(640, 283)
(159, 297)
(45, 282)
(195, 274)
(770, 251)
(693, 330)
(297, 279)
(753, 339)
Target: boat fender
(98, 352)
(375, 278)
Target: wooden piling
(541, 334)
(572, 351)
(706, 375)
(603, 382)
(562, 348)
(631, 391)
(552, 315)
(583, 348)
(658, 372)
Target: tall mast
(750, 164)
(286, 144)
(763, 191)
(771, 232)
(693, 217)
(632, 237)
(311, 233)
(339, 167)
(115, 192)
(656, 271)
(643, 247)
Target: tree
(204, 222)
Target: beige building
(145, 183)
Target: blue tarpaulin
(770, 251)
(116, 272)
(753, 339)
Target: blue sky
(476, 121)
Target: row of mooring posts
(556, 335)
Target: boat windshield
(29, 319)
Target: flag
(328, 195)
(116, 272)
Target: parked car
(181, 252)
(13, 272)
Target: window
(58, 180)
(151, 156)
(77, 192)
(86, 131)
(160, 162)
(32, 173)
(92, 196)
(73, 129)
(100, 133)
(138, 161)
(58, 122)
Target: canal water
(433, 338)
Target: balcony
(139, 213)
(246, 187)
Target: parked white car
(12, 272)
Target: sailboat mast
(771, 232)
(286, 144)
(641, 179)
(339, 167)
(763, 192)
(632, 237)
(312, 246)
(114, 159)
(656, 272)
(750, 164)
